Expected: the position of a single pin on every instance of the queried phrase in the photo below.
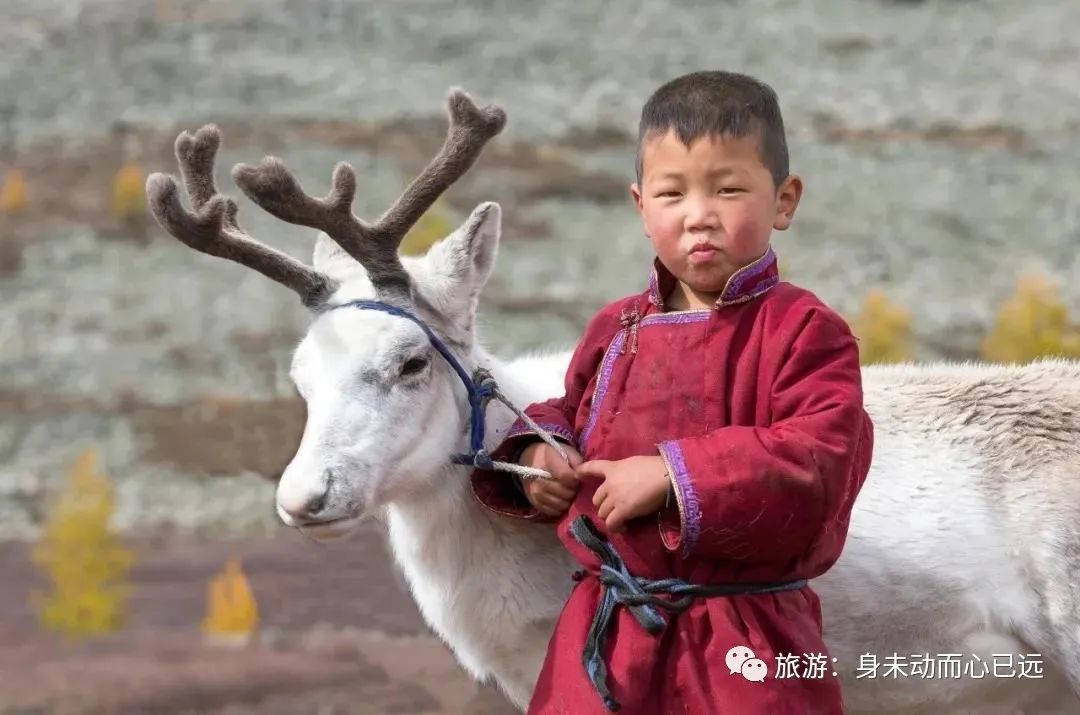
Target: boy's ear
(787, 200)
(635, 194)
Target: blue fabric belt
(640, 596)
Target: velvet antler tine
(212, 229)
(273, 187)
(195, 153)
(470, 129)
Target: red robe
(756, 406)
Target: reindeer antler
(273, 187)
(212, 227)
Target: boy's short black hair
(716, 103)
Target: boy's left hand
(632, 487)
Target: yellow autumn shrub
(13, 194)
(84, 561)
(432, 227)
(883, 330)
(128, 193)
(231, 609)
(1032, 323)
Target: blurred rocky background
(938, 141)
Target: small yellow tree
(883, 329)
(128, 193)
(432, 227)
(13, 196)
(86, 565)
(1031, 324)
(231, 611)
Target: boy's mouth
(702, 252)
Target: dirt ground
(338, 634)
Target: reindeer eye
(413, 366)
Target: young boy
(720, 413)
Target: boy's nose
(701, 215)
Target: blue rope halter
(480, 386)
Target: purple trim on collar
(751, 281)
(660, 283)
(655, 296)
(679, 318)
(745, 284)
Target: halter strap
(480, 387)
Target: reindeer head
(384, 411)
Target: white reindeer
(965, 539)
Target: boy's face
(710, 208)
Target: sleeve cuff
(680, 524)
(520, 429)
(501, 492)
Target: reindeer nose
(307, 505)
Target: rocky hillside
(938, 141)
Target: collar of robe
(745, 284)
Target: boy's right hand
(551, 497)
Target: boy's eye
(668, 194)
(729, 191)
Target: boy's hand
(551, 497)
(632, 487)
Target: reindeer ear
(461, 263)
(469, 252)
(331, 259)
